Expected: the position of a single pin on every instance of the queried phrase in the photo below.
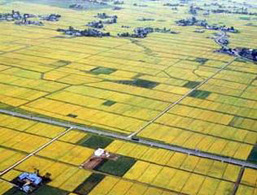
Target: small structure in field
(51, 17)
(97, 158)
(29, 182)
(145, 19)
(117, 8)
(96, 24)
(199, 31)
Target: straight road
(141, 141)
(180, 99)
(35, 152)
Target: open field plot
(166, 88)
(20, 137)
(61, 159)
(165, 169)
(51, 69)
(220, 121)
(67, 178)
(248, 183)
(21, 141)
(9, 157)
(139, 170)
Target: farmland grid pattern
(200, 139)
(142, 141)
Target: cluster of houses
(84, 4)
(106, 19)
(15, 15)
(137, 33)
(250, 54)
(96, 24)
(217, 8)
(221, 9)
(141, 32)
(222, 28)
(192, 22)
(203, 23)
(239, 11)
(104, 16)
(29, 22)
(25, 19)
(77, 6)
(224, 9)
(100, 24)
(83, 33)
(111, 19)
(51, 17)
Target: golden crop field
(155, 170)
(180, 115)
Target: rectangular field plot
(21, 141)
(174, 179)
(9, 157)
(32, 128)
(64, 177)
(171, 87)
(118, 167)
(73, 136)
(243, 189)
(198, 140)
(156, 170)
(66, 152)
(249, 177)
(4, 187)
(170, 162)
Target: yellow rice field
(167, 88)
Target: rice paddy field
(139, 170)
(172, 89)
